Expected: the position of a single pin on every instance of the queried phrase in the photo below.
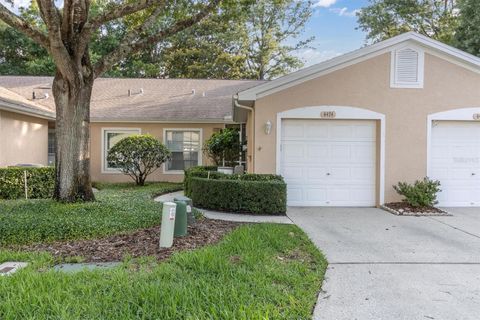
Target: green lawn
(119, 207)
(261, 271)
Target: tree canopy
(383, 19)
(242, 39)
(467, 36)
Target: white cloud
(324, 3)
(344, 12)
(313, 56)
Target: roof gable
(295, 78)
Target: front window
(110, 138)
(185, 148)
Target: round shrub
(138, 156)
(223, 147)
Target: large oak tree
(66, 34)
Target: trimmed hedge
(260, 197)
(40, 182)
(199, 171)
(210, 172)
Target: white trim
(463, 114)
(429, 45)
(420, 68)
(200, 154)
(343, 113)
(105, 170)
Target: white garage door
(329, 162)
(455, 161)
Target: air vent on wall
(407, 68)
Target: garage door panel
(294, 152)
(317, 174)
(341, 132)
(316, 194)
(363, 153)
(364, 132)
(455, 158)
(340, 153)
(317, 153)
(338, 161)
(362, 174)
(294, 194)
(294, 130)
(317, 131)
(292, 173)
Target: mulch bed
(139, 243)
(404, 209)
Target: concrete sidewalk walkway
(227, 216)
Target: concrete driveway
(382, 266)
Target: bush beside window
(259, 197)
(40, 183)
(423, 193)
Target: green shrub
(40, 182)
(199, 171)
(138, 156)
(210, 172)
(260, 197)
(421, 194)
(223, 147)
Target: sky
(333, 25)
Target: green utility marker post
(180, 219)
(188, 202)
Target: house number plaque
(330, 114)
(476, 116)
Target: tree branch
(121, 10)
(129, 46)
(21, 25)
(60, 55)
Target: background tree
(138, 156)
(242, 39)
(272, 28)
(66, 34)
(383, 19)
(467, 36)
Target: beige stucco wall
(155, 129)
(367, 85)
(23, 139)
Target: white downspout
(252, 110)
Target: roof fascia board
(11, 107)
(462, 58)
(97, 120)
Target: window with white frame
(407, 68)
(185, 146)
(110, 138)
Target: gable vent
(407, 68)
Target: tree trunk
(72, 132)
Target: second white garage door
(455, 161)
(329, 162)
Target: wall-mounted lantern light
(268, 127)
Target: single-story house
(341, 132)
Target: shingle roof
(12, 101)
(161, 100)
